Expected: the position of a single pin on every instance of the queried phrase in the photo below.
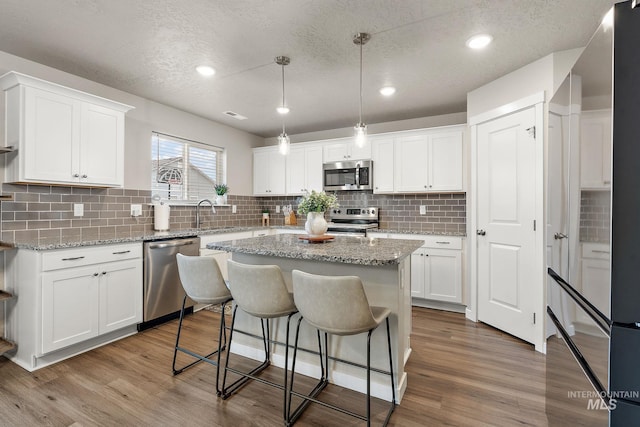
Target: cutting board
(316, 239)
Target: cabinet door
(445, 162)
(313, 165)
(261, 173)
(595, 149)
(120, 294)
(336, 152)
(411, 164)
(101, 146)
(596, 286)
(69, 307)
(51, 137)
(443, 275)
(277, 175)
(359, 153)
(296, 171)
(417, 273)
(382, 151)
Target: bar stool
(259, 291)
(337, 305)
(203, 283)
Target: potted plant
(221, 191)
(314, 206)
(265, 213)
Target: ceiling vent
(234, 115)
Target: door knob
(481, 232)
(560, 236)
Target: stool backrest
(335, 304)
(201, 278)
(259, 290)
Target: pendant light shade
(283, 139)
(361, 128)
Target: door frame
(537, 101)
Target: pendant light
(361, 127)
(283, 138)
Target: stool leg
(369, 378)
(221, 346)
(175, 349)
(393, 386)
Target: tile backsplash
(595, 216)
(45, 213)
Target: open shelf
(5, 295)
(6, 346)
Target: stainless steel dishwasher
(162, 289)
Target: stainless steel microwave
(350, 175)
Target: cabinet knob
(95, 274)
(425, 186)
(76, 175)
(84, 175)
(481, 232)
(104, 272)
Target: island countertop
(347, 250)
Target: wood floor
(460, 374)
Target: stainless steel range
(353, 221)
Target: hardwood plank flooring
(460, 374)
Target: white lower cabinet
(436, 271)
(72, 300)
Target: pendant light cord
(361, 78)
(283, 132)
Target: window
(184, 170)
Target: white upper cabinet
(346, 149)
(431, 160)
(268, 172)
(382, 153)
(304, 169)
(62, 136)
(595, 149)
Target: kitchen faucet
(213, 209)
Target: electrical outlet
(277, 208)
(78, 209)
(136, 210)
(423, 210)
(234, 209)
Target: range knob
(363, 211)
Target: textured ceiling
(151, 48)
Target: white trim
(472, 306)
(503, 110)
(540, 244)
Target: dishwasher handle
(171, 244)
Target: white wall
(399, 125)
(150, 116)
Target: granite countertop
(51, 243)
(426, 233)
(349, 250)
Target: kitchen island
(384, 267)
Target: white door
(506, 213)
(445, 162)
(120, 294)
(51, 137)
(101, 146)
(382, 156)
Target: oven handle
(358, 176)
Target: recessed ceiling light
(205, 70)
(607, 21)
(479, 41)
(388, 90)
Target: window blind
(184, 170)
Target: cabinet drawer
(596, 251)
(77, 257)
(431, 241)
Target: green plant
(221, 189)
(317, 202)
(265, 210)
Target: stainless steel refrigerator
(593, 253)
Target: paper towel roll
(161, 217)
